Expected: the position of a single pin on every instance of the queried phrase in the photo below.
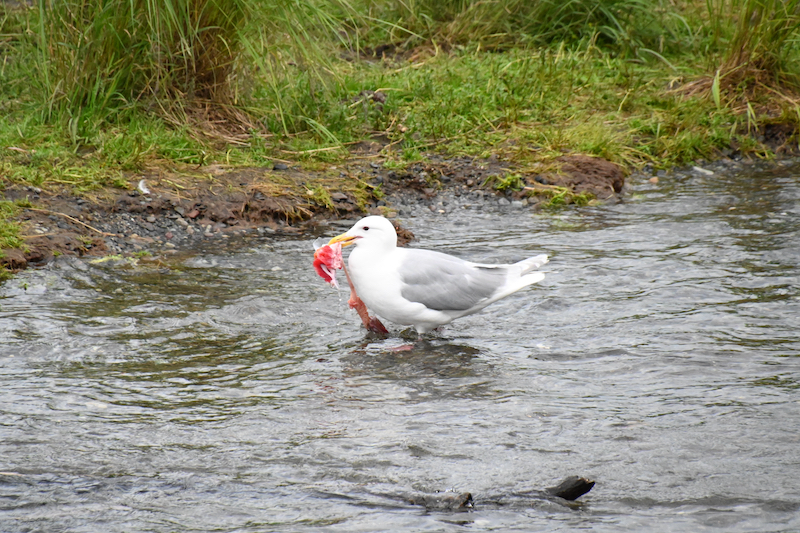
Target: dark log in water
(570, 489)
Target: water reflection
(419, 358)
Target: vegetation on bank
(92, 91)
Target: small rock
(654, 179)
(182, 222)
(151, 218)
(280, 166)
(702, 170)
(169, 235)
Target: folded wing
(446, 283)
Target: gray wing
(446, 283)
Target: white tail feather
(532, 263)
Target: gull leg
(370, 322)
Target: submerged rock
(570, 489)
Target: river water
(232, 390)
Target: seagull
(423, 288)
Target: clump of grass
(760, 49)
(95, 60)
(320, 196)
(561, 196)
(762, 38)
(625, 25)
(507, 182)
(90, 66)
(9, 230)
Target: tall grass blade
(715, 93)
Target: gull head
(370, 232)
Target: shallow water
(235, 391)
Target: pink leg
(370, 322)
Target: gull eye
(365, 228)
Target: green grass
(753, 56)
(763, 36)
(94, 91)
(630, 27)
(558, 197)
(536, 105)
(507, 182)
(9, 231)
(527, 105)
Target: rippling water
(231, 390)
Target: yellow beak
(344, 238)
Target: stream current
(234, 391)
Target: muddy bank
(164, 212)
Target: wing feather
(446, 283)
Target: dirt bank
(167, 211)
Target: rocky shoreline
(161, 216)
